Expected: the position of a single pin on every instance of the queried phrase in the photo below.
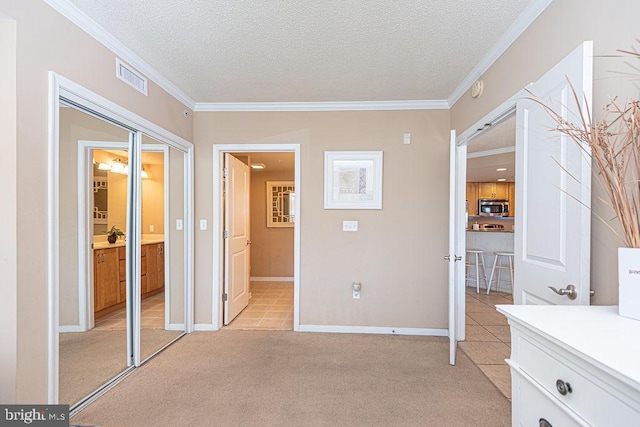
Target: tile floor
(488, 339)
(270, 308)
(152, 316)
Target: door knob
(248, 242)
(455, 258)
(570, 291)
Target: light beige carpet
(90, 359)
(278, 378)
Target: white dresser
(573, 366)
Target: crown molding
(528, 15)
(88, 25)
(429, 104)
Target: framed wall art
(353, 179)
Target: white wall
(8, 215)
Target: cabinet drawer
(588, 399)
(530, 405)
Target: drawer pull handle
(563, 387)
(544, 423)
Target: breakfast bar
(492, 240)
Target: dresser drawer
(588, 399)
(530, 406)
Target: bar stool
(478, 258)
(501, 266)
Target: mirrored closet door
(94, 323)
(162, 246)
(121, 251)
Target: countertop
(489, 231)
(147, 239)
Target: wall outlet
(349, 225)
(406, 139)
(203, 224)
(179, 224)
(151, 228)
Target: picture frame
(353, 179)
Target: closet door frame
(86, 100)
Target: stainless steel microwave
(493, 207)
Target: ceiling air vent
(130, 76)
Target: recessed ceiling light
(258, 166)
(502, 179)
(501, 169)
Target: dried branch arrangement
(613, 143)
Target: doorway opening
(257, 213)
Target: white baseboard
(175, 327)
(70, 328)
(374, 330)
(203, 327)
(271, 279)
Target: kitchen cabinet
(512, 198)
(110, 278)
(582, 373)
(493, 190)
(472, 198)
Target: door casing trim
(217, 225)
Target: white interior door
(553, 192)
(457, 196)
(236, 254)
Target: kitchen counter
(491, 241)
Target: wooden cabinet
(576, 374)
(155, 263)
(155, 266)
(512, 199)
(110, 278)
(123, 275)
(106, 280)
(493, 190)
(472, 198)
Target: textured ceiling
(483, 169)
(308, 50)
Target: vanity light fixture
(119, 167)
(258, 166)
(501, 169)
(502, 179)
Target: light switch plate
(406, 139)
(203, 224)
(178, 224)
(349, 225)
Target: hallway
(488, 339)
(270, 308)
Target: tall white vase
(629, 282)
